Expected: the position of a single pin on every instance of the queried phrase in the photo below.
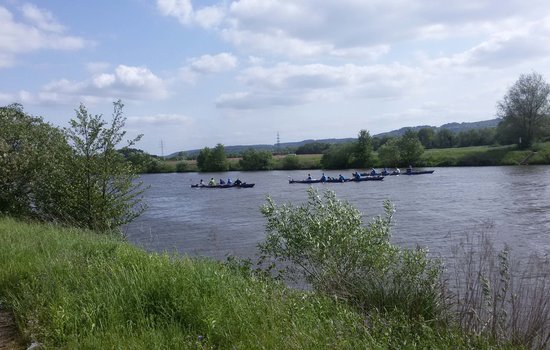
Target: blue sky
(198, 73)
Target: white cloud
(182, 10)
(41, 31)
(290, 84)
(42, 19)
(213, 63)
(160, 120)
(126, 82)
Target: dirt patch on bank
(9, 338)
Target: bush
(325, 242)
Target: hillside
(454, 127)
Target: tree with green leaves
(212, 159)
(426, 137)
(525, 109)
(362, 154)
(325, 241)
(256, 160)
(388, 153)
(410, 148)
(338, 156)
(104, 192)
(33, 166)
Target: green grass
(71, 289)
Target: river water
(433, 211)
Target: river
(433, 211)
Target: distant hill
(454, 127)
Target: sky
(193, 74)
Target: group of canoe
(373, 175)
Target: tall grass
(500, 297)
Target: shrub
(325, 242)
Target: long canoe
(243, 185)
(315, 181)
(367, 178)
(393, 173)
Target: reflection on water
(433, 211)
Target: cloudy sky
(198, 73)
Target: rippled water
(433, 211)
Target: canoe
(393, 173)
(368, 178)
(418, 172)
(242, 185)
(315, 181)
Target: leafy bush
(325, 241)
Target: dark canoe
(367, 178)
(419, 172)
(314, 181)
(393, 173)
(243, 185)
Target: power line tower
(278, 145)
(162, 149)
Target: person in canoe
(212, 182)
(409, 169)
(373, 172)
(356, 175)
(309, 176)
(201, 183)
(238, 182)
(323, 178)
(397, 171)
(229, 182)
(341, 178)
(222, 182)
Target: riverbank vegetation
(71, 288)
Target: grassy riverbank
(73, 289)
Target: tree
(410, 148)
(325, 241)
(362, 154)
(254, 160)
(103, 192)
(291, 162)
(212, 159)
(426, 137)
(525, 109)
(444, 139)
(312, 148)
(338, 156)
(33, 159)
(388, 153)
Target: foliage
(525, 109)
(426, 137)
(445, 138)
(291, 162)
(338, 156)
(181, 166)
(362, 154)
(410, 148)
(388, 153)
(33, 160)
(312, 148)
(72, 289)
(103, 192)
(212, 159)
(501, 297)
(325, 241)
(256, 160)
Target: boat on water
(314, 181)
(418, 172)
(394, 173)
(367, 178)
(241, 185)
